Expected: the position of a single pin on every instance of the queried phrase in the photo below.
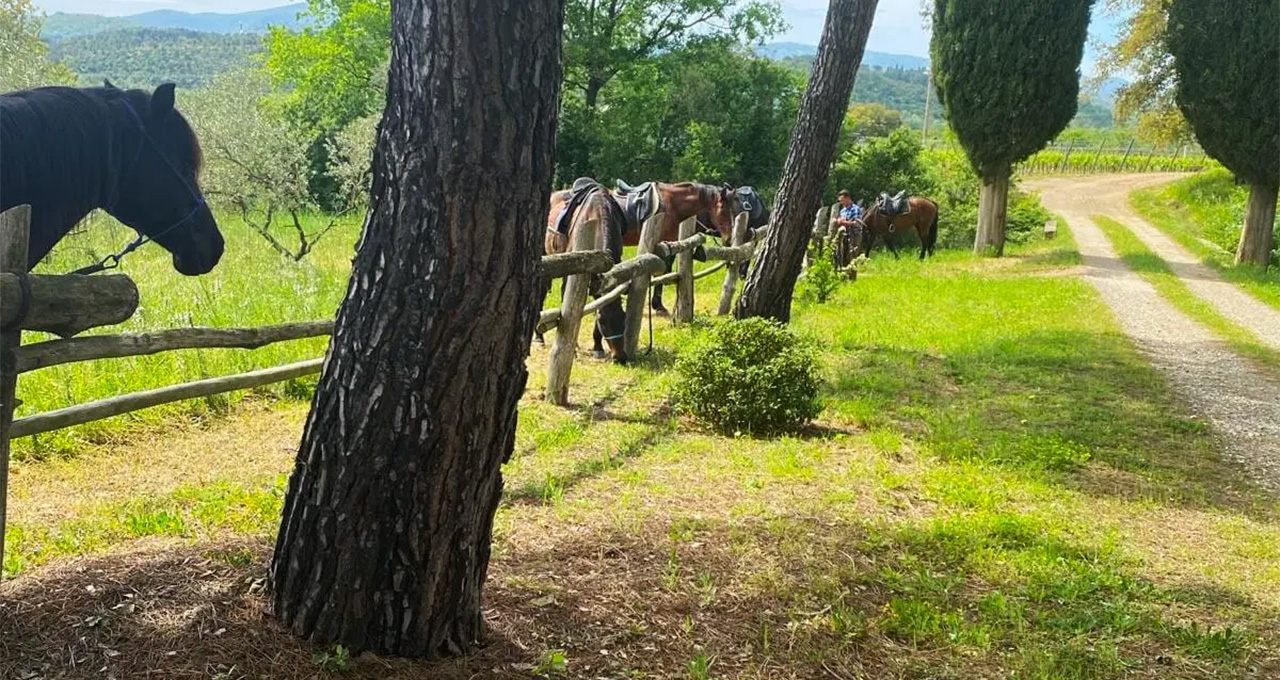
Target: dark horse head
(70, 151)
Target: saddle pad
(640, 203)
(582, 188)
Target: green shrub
(821, 279)
(752, 375)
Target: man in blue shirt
(850, 218)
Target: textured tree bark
(1258, 238)
(385, 538)
(993, 206)
(772, 281)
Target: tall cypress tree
(1007, 74)
(1227, 61)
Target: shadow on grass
(1060, 405)
(768, 597)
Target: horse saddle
(578, 193)
(747, 200)
(892, 206)
(638, 203)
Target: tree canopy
(24, 59)
(1141, 54)
(1228, 71)
(1007, 73)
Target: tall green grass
(252, 286)
(1205, 214)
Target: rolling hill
(61, 25)
(785, 50)
(133, 56)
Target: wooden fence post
(684, 287)
(638, 297)
(15, 228)
(1152, 154)
(1124, 161)
(565, 345)
(731, 276)
(1067, 156)
(1097, 157)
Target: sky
(898, 26)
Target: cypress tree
(1227, 63)
(1007, 74)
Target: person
(850, 218)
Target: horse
(679, 202)
(922, 216)
(595, 203)
(69, 151)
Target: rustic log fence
(69, 304)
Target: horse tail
(933, 228)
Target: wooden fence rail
(68, 305)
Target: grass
(999, 486)
(252, 286)
(1156, 271)
(1204, 214)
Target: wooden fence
(67, 305)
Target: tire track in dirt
(1242, 402)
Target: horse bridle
(113, 261)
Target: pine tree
(1007, 73)
(388, 519)
(772, 280)
(1227, 59)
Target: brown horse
(922, 217)
(678, 203)
(611, 322)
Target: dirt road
(1241, 401)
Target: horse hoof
(659, 311)
(600, 354)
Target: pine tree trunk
(387, 523)
(772, 280)
(1258, 238)
(993, 206)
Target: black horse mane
(65, 142)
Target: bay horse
(679, 202)
(69, 151)
(598, 204)
(922, 217)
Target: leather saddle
(892, 206)
(638, 203)
(747, 200)
(578, 194)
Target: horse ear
(108, 84)
(162, 101)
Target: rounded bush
(751, 376)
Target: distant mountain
(140, 56)
(61, 25)
(786, 50)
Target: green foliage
(147, 57)
(749, 375)
(1228, 83)
(337, 660)
(869, 120)
(821, 279)
(326, 72)
(257, 162)
(1007, 74)
(24, 59)
(954, 185)
(890, 163)
(1141, 55)
(605, 40)
(709, 111)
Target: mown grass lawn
(999, 487)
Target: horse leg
(597, 342)
(659, 308)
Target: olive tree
(255, 162)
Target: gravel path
(1242, 402)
